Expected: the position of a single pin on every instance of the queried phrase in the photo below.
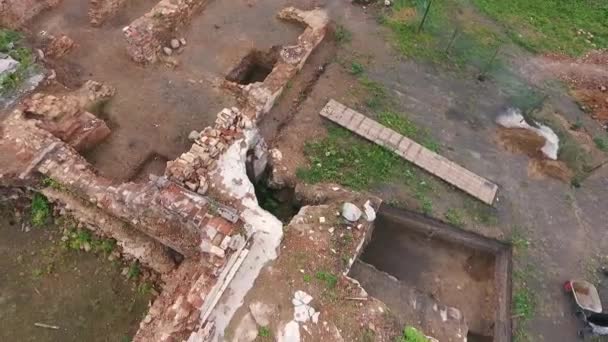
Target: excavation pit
(414, 259)
(254, 67)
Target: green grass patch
(523, 303)
(519, 241)
(264, 332)
(375, 95)
(11, 44)
(134, 270)
(348, 160)
(524, 299)
(53, 184)
(351, 161)
(455, 217)
(446, 38)
(40, 210)
(601, 143)
(342, 35)
(563, 26)
(356, 68)
(411, 334)
(83, 239)
(329, 279)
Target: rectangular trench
(413, 260)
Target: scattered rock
(301, 297)
(182, 41)
(175, 44)
(370, 213)
(351, 212)
(193, 135)
(247, 330)
(167, 50)
(302, 312)
(261, 313)
(289, 333)
(7, 66)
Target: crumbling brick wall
(15, 13)
(145, 35)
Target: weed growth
(82, 239)
(342, 35)
(601, 143)
(134, 271)
(411, 334)
(264, 332)
(10, 44)
(328, 278)
(356, 68)
(40, 211)
(455, 217)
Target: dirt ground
(564, 226)
(86, 296)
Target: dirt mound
(520, 140)
(556, 169)
(588, 78)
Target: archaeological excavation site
(291, 170)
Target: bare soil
(86, 296)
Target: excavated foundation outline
(204, 207)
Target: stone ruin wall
(43, 137)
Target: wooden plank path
(463, 179)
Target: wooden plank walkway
(465, 180)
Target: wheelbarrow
(589, 307)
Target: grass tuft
(328, 278)
(40, 211)
(342, 35)
(601, 143)
(411, 334)
(10, 44)
(455, 217)
(264, 332)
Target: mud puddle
(79, 296)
